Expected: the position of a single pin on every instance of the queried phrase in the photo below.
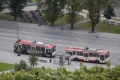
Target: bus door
(85, 56)
(48, 53)
(20, 46)
(102, 58)
(43, 53)
(24, 49)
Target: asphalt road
(62, 39)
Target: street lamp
(18, 23)
(97, 32)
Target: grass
(5, 66)
(102, 27)
(7, 17)
(33, 0)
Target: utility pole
(97, 32)
(18, 39)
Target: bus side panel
(80, 58)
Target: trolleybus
(44, 49)
(88, 55)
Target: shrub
(22, 65)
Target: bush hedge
(83, 73)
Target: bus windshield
(106, 55)
(53, 49)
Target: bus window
(19, 46)
(33, 48)
(97, 55)
(73, 52)
(101, 57)
(53, 49)
(42, 49)
(106, 56)
(28, 47)
(94, 55)
(37, 48)
(80, 53)
(85, 54)
(47, 51)
(69, 53)
(90, 54)
(23, 46)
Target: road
(62, 39)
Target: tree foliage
(33, 58)
(109, 12)
(74, 7)
(16, 7)
(1, 5)
(51, 8)
(94, 7)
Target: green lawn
(102, 27)
(7, 17)
(33, 0)
(5, 66)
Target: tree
(94, 7)
(74, 7)
(16, 7)
(108, 13)
(51, 8)
(1, 5)
(33, 58)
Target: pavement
(15, 59)
(12, 59)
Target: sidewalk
(12, 58)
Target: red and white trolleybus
(44, 49)
(88, 55)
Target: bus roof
(101, 51)
(34, 43)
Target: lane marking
(26, 34)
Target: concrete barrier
(44, 61)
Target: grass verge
(33, 0)
(6, 17)
(102, 27)
(5, 66)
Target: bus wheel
(97, 61)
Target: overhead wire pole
(18, 39)
(83, 44)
